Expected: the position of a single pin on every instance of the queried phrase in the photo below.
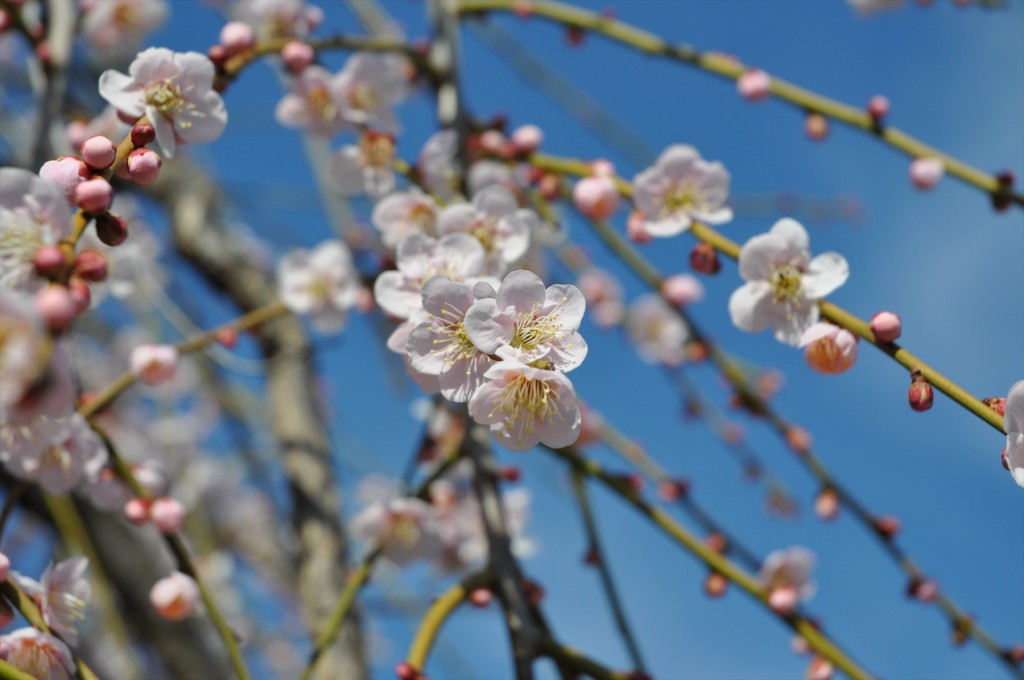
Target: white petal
(750, 306)
(826, 272)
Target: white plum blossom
(175, 91)
(786, 575)
(403, 213)
(33, 213)
(657, 331)
(24, 350)
(323, 283)
(460, 257)
(1013, 425)
(783, 282)
(63, 592)
(405, 528)
(56, 453)
(495, 219)
(437, 165)
(604, 295)
(440, 345)
(527, 323)
(526, 406)
(279, 18)
(117, 28)
(369, 86)
(367, 168)
(39, 654)
(312, 103)
(678, 189)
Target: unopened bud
(672, 490)
(480, 597)
(716, 584)
(111, 229)
(920, 395)
(91, 266)
(878, 108)
(923, 589)
(510, 473)
(56, 307)
(888, 526)
(682, 289)
(94, 196)
(820, 668)
(886, 326)
(704, 259)
(754, 85)
(167, 514)
(49, 261)
(143, 135)
(783, 599)
(596, 197)
(826, 505)
(405, 671)
(816, 127)
(635, 229)
(99, 152)
(136, 510)
(144, 166)
(997, 404)
(799, 439)
(717, 542)
(925, 173)
(237, 36)
(533, 592)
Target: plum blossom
(366, 168)
(679, 188)
(64, 593)
(312, 103)
(279, 18)
(440, 345)
(495, 219)
(56, 453)
(1013, 425)
(24, 350)
(34, 213)
(403, 213)
(528, 323)
(369, 86)
(39, 654)
(175, 596)
(830, 349)
(460, 257)
(116, 28)
(175, 91)
(783, 282)
(323, 283)
(604, 295)
(657, 331)
(438, 164)
(526, 406)
(405, 528)
(786, 575)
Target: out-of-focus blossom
(322, 283)
(682, 289)
(1013, 425)
(405, 528)
(527, 323)
(63, 592)
(68, 172)
(39, 654)
(34, 213)
(367, 168)
(494, 219)
(830, 349)
(596, 197)
(175, 91)
(783, 282)
(403, 213)
(154, 364)
(786, 575)
(679, 188)
(368, 88)
(754, 84)
(312, 103)
(526, 406)
(106, 123)
(116, 28)
(133, 268)
(175, 596)
(56, 453)
(604, 296)
(279, 18)
(437, 163)
(659, 334)
(926, 172)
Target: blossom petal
(826, 272)
(750, 306)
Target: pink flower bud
(480, 597)
(167, 514)
(887, 525)
(925, 173)
(716, 584)
(704, 259)
(94, 196)
(527, 138)
(878, 107)
(492, 141)
(91, 266)
(550, 186)
(296, 56)
(830, 349)
(136, 511)
(826, 505)
(997, 404)
(783, 599)
(154, 364)
(510, 473)
(886, 326)
(596, 197)
(150, 478)
(754, 84)
(174, 597)
(405, 671)
(799, 439)
(80, 293)
(816, 127)
(49, 261)
(5, 567)
(99, 152)
(671, 491)
(237, 36)
(227, 337)
(55, 305)
(923, 589)
(68, 172)
(144, 166)
(143, 135)
(602, 167)
(111, 229)
(717, 542)
(78, 131)
(920, 395)
(820, 668)
(635, 229)
(682, 289)
(218, 54)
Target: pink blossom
(167, 514)
(39, 654)
(312, 103)
(175, 596)
(154, 364)
(68, 172)
(495, 220)
(322, 283)
(596, 197)
(679, 188)
(925, 173)
(297, 56)
(405, 528)
(682, 289)
(175, 91)
(368, 87)
(58, 454)
(117, 28)
(754, 84)
(65, 593)
(280, 18)
(657, 331)
(366, 168)
(527, 138)
(438, 165)
(604, 296)
(403, 213)
(829, 349)
(34, 213)
(788, 572)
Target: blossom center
(532, 331)
(451, 327)
(785, 282)
(126, 16)
(528, 401)
(165, 96)
(322, 103)
(20, 238)
(684, 197)
(404, 529)
(363, 97)
(483, 230)
(378, 149)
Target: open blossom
(830, 349)
(39, 654)
(56, 453)
(440, 345)
(657, 331)
(438, 165)
(117, 28)
(369, 86)
(63, 592)
(1013, 425)
(495, 219)
(526, 406)
(679, 188)
(312, 103)
(460, 257)
(279, 18)
(34, 213)
(604, 295)
(322, 283)
(405, 528)
(786, 575)
(528, 323)
(175, 91)
(783, 282)
(403, 213)
(366, 168)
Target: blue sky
(942, 260)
